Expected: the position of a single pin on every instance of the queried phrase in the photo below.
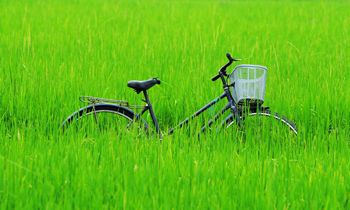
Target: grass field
(52, 52)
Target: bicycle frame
(230, 105)
(200, 111)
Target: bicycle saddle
(142, 85)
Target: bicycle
(244, 90)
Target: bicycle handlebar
(229, 57)
(215, 78)
(222, 70)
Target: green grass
(51, 52)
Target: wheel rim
(276, 117)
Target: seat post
(149, 106)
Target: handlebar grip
(215, 78)
(229, 57)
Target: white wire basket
(249, 84)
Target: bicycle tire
(229, 121)
(118, 112)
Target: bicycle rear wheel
(262, 120)
(100, 118)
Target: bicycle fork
(232, 104)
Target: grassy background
(51, 52)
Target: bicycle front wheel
(263, 121)
(98, 118)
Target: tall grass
(51, 52)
